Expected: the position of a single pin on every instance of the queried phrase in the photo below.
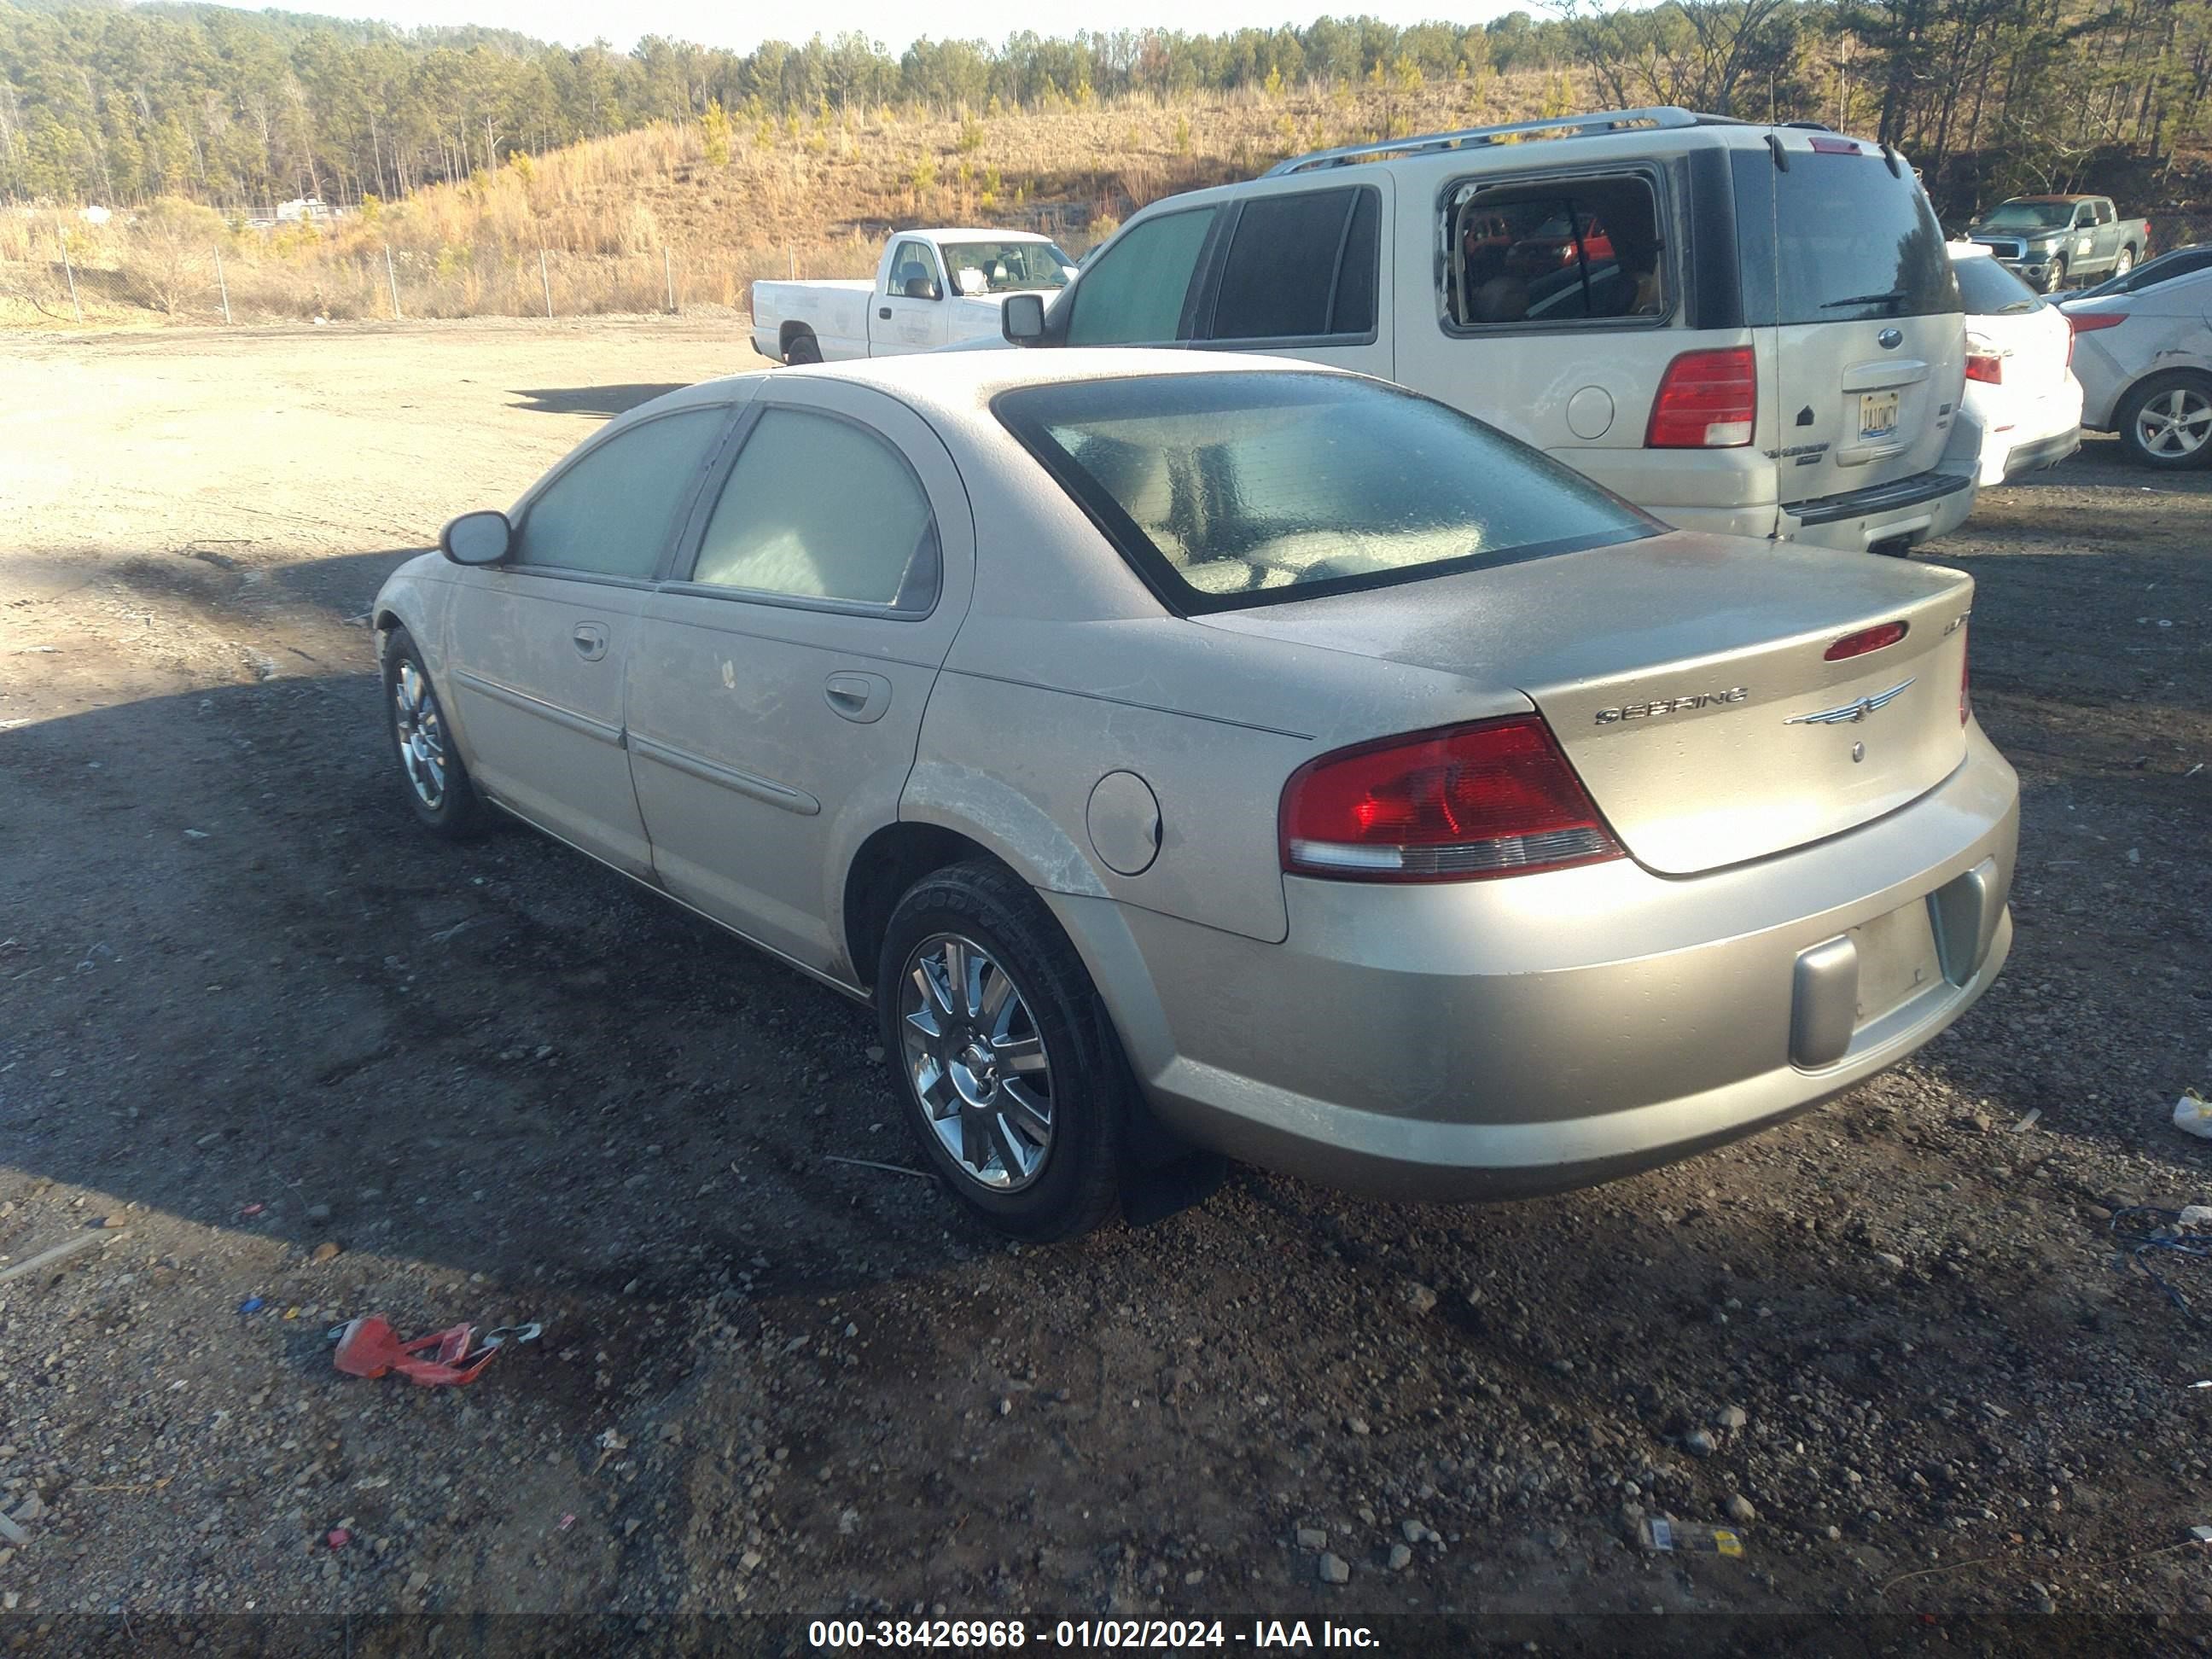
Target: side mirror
(476, 538)
(923, 287)
(1022, 319)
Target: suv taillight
(1707, 400)
(1988, 368)
(2088, 322)
(1494, 799)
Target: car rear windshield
(1232, 489)
(1837, 238)
(1990, 290)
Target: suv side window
(817, 507)
(1135, 293)
(914, 274)
(611, 512)
(1561, 251)
(1300, 266)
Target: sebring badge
(1638, 711)
(1850, 711)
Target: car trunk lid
(1687, 680)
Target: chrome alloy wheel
(420, 727)
(977, 1061)
(2175, 423)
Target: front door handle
(591, 640)
(860, 698)
(884, 312)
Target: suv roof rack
(1563, 126)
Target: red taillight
(1866, 640)
(1707, 400)
(1965, 650)
(2088, 322)
(1496, 798)
(1987, 367)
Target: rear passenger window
(1133, 293)
(1297, 268)
(1561, 252)
(820, 509)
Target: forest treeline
(123, 104)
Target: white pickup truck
(910, 306)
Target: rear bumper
(1492, 1039)
(2025, 434)
(2039, 453)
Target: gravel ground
(292, 1057)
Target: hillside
(704, 207)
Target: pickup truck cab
(932, 288)
(2049, 241)
(1744, 329)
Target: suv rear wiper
(1898, 297)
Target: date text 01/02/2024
(1085, 1634)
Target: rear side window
(1836, 239)
(820, 508)
(1990, 290)
(1300, 267)
(613, 510)
(1232, 490)
(1555, 252)
(1133, 293)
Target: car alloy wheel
(420, 726)
(2124, 264)
(2175, 424)
(976, 1062)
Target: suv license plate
(1877, 414)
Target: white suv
(1749, 330)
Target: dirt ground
(248, 1013)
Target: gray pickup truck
(2052, 241)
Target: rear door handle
(591, 640)
(860, 698)
(884, 312)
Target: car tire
(2056, 277)
(803, 349)
(2165, 421)
(439, 787)
(2123, 262)
(972, 1060)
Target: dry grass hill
(695, 212)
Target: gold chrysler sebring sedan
(1189, 754)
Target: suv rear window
(1228, 490)
(1836, 239)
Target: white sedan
(2020, 378)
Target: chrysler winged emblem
(1851, 712)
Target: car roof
(959, 383)
(962, 233)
